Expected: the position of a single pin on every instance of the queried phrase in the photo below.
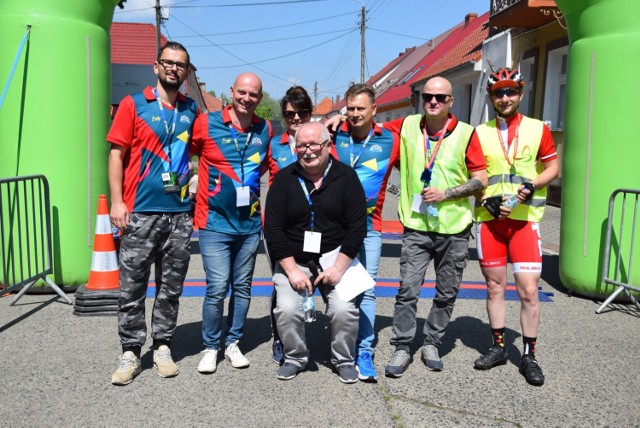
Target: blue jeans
(228, 260)
(370, 258)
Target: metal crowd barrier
(621, 242)
(25, 235)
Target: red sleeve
(547, 149)
(121, 132)
(474, 157)
(394, 126)
(200, 131)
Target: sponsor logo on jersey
(155, 118)
(376, 148)
(226, 140)
(256, 141)
(282, 159)
(185, 119)
(344, 144)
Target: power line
(278, 27)
(397, 34)
(272, 40)
(221, 5)
(250, 4)
(278, 57)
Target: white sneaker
(209, 361)
(235, 357)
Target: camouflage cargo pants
(162, 239)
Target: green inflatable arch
(601, 151)
(55, 118)
(56, 114)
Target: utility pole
(362, 49)
(315, 94)
(158, 22)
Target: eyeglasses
(441, 98)
(314, 147)
(509, 92)
(291, 114)
(168, 64)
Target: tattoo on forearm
(467, 189)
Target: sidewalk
(57, 367)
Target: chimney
(203, 86)
(337, 99)
(469, 17)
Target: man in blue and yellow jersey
(372, 152)
(232, 145)
(441, 165)
(521, 162)
(148, 178)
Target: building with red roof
(133, 54)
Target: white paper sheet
(354, 281)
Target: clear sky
(300, 42)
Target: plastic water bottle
(308, 307)
(432, 214)
(511, 203)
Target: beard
(168, 85)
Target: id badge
(170, 182)
(311, 242)
(242, 196)
(417, 205)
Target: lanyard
(169, 133)
(364, 145)
(246, 146)
(292, 144)
(506, 146)
(308, 195)
(431, 156)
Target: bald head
(439, 84)
(246, 94)
(437, 98)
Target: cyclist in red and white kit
(521, 161)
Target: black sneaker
(531, 370)
(288, 371)
(348, 373)
(495, 356)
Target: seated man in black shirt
(313, 207)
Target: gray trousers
(289, 317)
(449, 253)
(162, 239)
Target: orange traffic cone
(104, 263)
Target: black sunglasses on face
(441, 98)
(509, 92)
(291, 114)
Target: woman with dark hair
(296, 108)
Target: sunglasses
(441, 98)
(168, 64)
(291, 114)
(509, 92)
(314, 147)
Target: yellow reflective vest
(449, 170)
(505, 179)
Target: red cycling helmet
(505, 78)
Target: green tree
(269, 108)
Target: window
(556, 87)
(528, 71)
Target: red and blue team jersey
(140, 128)
(226, 164)
(372, 162)
(281, 154)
